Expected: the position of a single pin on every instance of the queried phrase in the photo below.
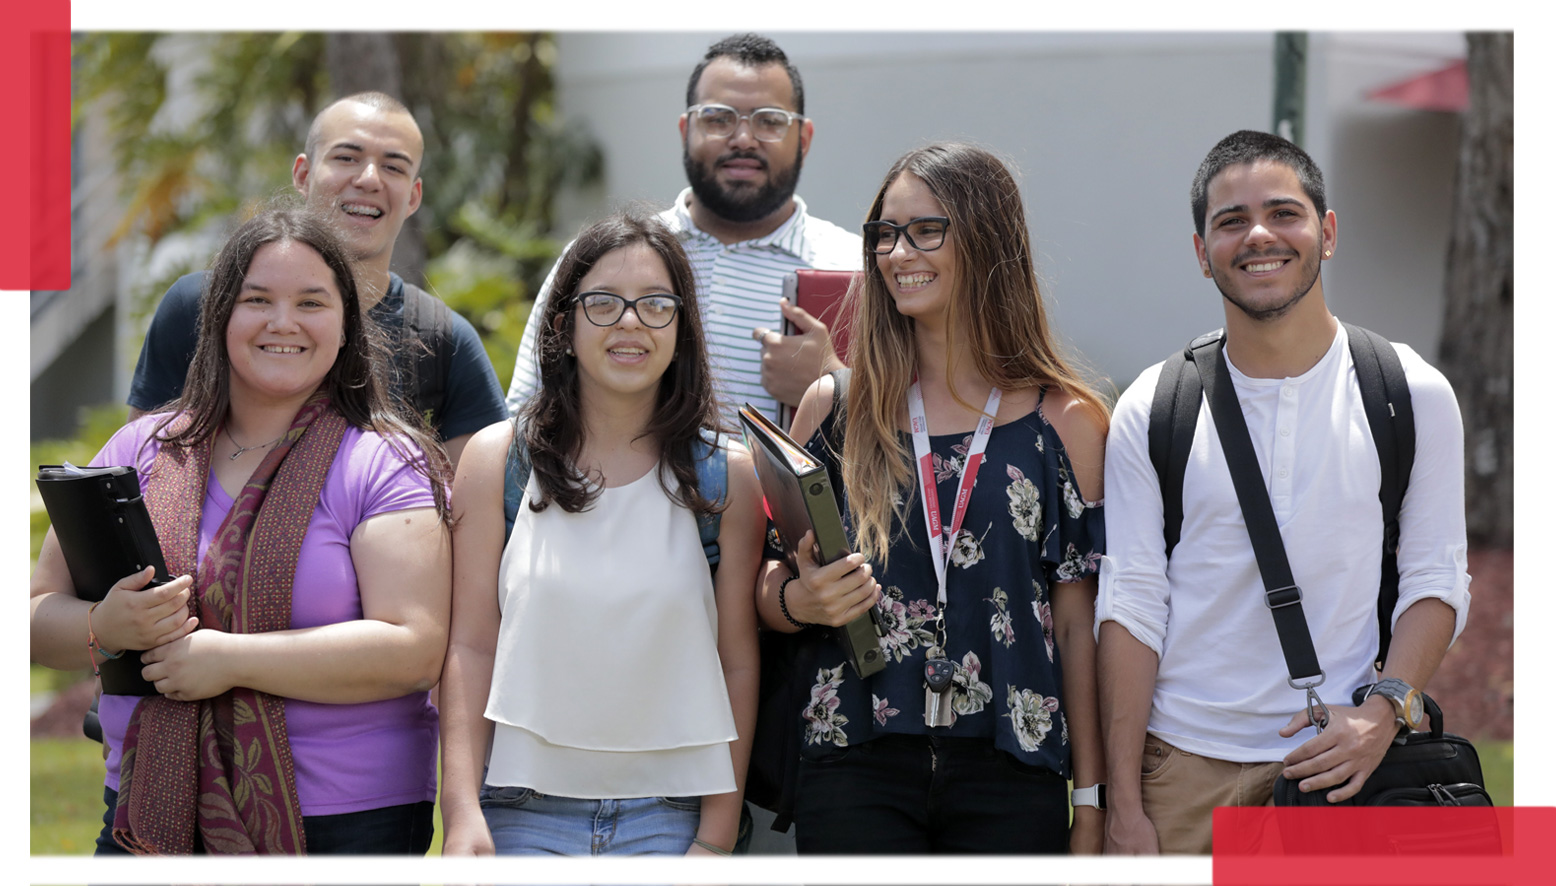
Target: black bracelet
(783, 605)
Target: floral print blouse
(1026, 527)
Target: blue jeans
(524, 822)
(915, 794)
(391, 830)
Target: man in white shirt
(1196, 708)
(744, 137)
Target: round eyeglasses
(721, 121)
(606, 308)
(925, 233)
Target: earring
(570, 351)
(1328, 253)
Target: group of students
(587, 598)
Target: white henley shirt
(1221, 687)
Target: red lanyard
(941, 542)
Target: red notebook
(820, 294)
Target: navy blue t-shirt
(472, 398)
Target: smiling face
(920, 282)
(287, 325)
(625, 358)
(739, 178)
(1263, 239)
(363, 175)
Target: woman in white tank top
(606, 680)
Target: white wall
(1105, 131)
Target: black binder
(105, 533)
(799, 497)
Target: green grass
(67, 793)
(67, 798)
(1496, 763)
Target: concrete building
(1106, 131)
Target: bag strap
(428, 321)
(710, 452)
(1386, 399)
(1174, 413)
(1281, 593)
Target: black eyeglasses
(925, 233)
(605, 308)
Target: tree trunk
(359, 62)
(1477, 345)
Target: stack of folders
(105, 533)
(799, 499)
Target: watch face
(1415, 710)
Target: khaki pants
(1179, 790)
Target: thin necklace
(243, 449)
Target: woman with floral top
(955, 376)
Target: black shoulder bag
(1424, 769)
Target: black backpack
(1386, 399)
(427, 324)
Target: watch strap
(1096, 796)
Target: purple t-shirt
(349, 757)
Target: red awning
(1444, 90)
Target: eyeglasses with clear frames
(721, 121)
(925, 233)
(606, 308)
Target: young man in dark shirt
(360, 164)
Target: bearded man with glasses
(744, 138)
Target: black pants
(916, 794)
(391, 830)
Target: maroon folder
(820, 294)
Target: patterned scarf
(218, 773)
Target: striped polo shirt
(740, 284)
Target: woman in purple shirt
(307, 525)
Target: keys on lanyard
(937, 670)
(937, 691)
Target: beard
(1268, 312)
(741, 202)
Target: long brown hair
(996, 309)
(356, 383)
(551, 422)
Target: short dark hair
(1247, 146)
(381, 101)
(753, 51)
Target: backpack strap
(515, 477)
(1386, 399)
(428, 322)
(1174, 414)
(710, 451)
(711, 454)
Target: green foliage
(98, 423)
(208, 124)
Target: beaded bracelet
(91, 644)
(783, 605)
(716, 850)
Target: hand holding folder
(105, 535)
(799, 497)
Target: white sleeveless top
(607, 683)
